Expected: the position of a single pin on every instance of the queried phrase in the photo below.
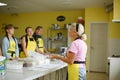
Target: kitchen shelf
(56, 38)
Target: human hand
(16, 58)
(27, 55)
(12, 58)
(54, 56)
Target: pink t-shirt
(79, 48)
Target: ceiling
(17, 6)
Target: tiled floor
(97, 76)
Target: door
(98, 46)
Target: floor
(97, 76)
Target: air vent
(109, 7)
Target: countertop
(31, 73)
(114, 58)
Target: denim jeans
(82, 74)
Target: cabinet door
(114, 69)
(116, 10)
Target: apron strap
(12, 53)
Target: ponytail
(84, 37)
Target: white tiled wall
(114, 47)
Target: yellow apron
(40, 44)
(11, 50)
(73, 72)
(31, 46)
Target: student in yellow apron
(76, 53)
(9, 43)
(11, 50)
(38, 38)
(28, 43)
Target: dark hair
(8, 26)
(38, 27)
(27, 28)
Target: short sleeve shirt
(79, 48)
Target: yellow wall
(46, 19)
(95, 15)
(114, 27)
(100, 15)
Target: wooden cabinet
(116, 11)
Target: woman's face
(10, 31)
(39, 32)
(29, 32)
(72, 32)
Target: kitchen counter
(31, 73)
(114, 58)
(114, 71)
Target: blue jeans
(82, 74)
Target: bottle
(63, 51)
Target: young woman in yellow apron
(38, 38)
(76, 53)
(28, 43)
(11, 50)
(9, 43)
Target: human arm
(17, 49)
(23, 41)
(45, 50)
(68, 59)
(5, 46)
(71, 54)
(37, 50)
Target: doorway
(98, 47)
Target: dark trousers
(67, 76)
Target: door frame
(89, 38)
